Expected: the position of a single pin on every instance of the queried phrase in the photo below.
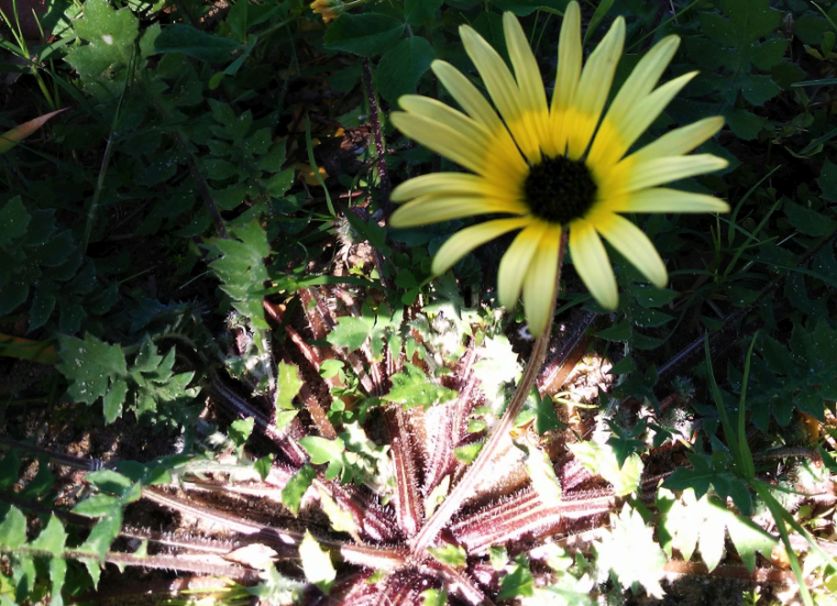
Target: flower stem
(466, 485)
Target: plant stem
(465, 487)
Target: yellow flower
(328, 9)
(553, 165)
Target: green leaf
(91, 366)
(195, 43)
(418, 12)
(748, 539)
(103, 534)
(339, 518)
(110, 36)
(411, 388)
(434, 597)
(452, 555)
(467, 453)
(114, 399)
(263, 465)
(57, 573)
(402, 66)
(630, 553)
(316, 563)
(828, 181)
(602, 460)
(620, 331)
(97, 505)
(13, 529)
(364, 34)
(745, 125)
(542, 473)
(323, 451)
(350, 332)
(519, 582)
(109, 481)
(288, 385)
(240, 430)
(52, 538)
(807, 220)
(294, 490)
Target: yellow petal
(665, 170)
(443, 140)
(592, 265)
(566, 80)
(435, 209)
(525, 66)
(664, 200)
(515, 263)
(680, 140)
(433, 109)
(634, 122)
(635, 246)
(593, 90)
(540, 285)
(502, 89)
(436, 183)
(643, 78)
(466, 94)
(466, 240)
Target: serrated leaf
(325, 452)
(517, 583)
(288, 385)
(97, 505)
(114, 399)
(57, 573)
(350, 332)
(103, 534)
(748, 539)
(294, 490)
(542, 474)
(240, 430)
(452, 555)
(411, 387)
(13, 529)
(253, 555)
(94, 569)
(91, 365)
(602, 460)
(52, 538)
(711, 537)
(339, 518)
(316, 563)
(631, 554)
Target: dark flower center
(559, 190)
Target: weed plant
(226, 377)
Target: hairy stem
(465, 487)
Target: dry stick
(465, 487)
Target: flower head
(328, 9)
(551, 165)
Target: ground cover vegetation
(253, 351)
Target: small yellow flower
(553, 165)
(328, 9)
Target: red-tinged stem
(475, 473)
